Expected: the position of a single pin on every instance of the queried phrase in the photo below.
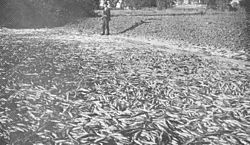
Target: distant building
(180, 2)
(186, 1)
(121, 4)
(118, 3)
(235, 1)
(101, 3)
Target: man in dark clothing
(105, 19)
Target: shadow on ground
(133, 26)
(166, 14)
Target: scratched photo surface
(124, 72)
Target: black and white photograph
(124, 72)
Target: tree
(223, 4)
(163, 4)
(219, 4)
(211, 4)
(137, 4)
(41, 13)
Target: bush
(222, 5)
(137, 4)
(163, 4)
(41, 13)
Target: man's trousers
(105, 26)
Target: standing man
(105, 18)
